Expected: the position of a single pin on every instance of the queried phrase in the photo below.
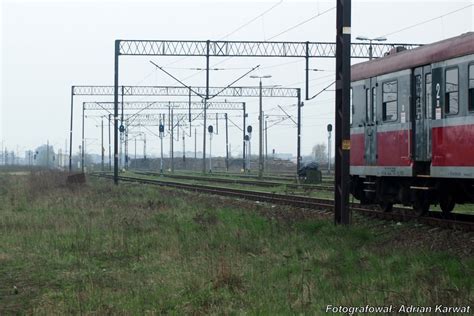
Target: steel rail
(463, 222)
(241, 181)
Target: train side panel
(453, 124)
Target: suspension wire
(240, 128)
(302, 22)
(231, 33)
(252, 20)
(427, 21)
(182, 83)
(289, 116)
(327, 87)
(233, 82)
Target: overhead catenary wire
(327, 87)
(311, 80)
(252, 20)
(427, 21)
(281, 33)
(231, 33)
(238, 68)
(302, 22)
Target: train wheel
(421, 207)
(386, 206)
(447, 203)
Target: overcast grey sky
(47, 46)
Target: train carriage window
(471, 88)
(451, 96)
(428, 99)
(389, 101)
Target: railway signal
(210, 129)
(329, 147)
(162, 134)
(248, 138)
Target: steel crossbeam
(249, 48)
(154, 119)
(274, 92)
(164, 105)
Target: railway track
(306, 187)
(437, 219)
(270, 177)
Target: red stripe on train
(453, 146)
(393, 148)
(357, 149)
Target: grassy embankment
(136, 249)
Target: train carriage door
(370, 125)
(422, 113)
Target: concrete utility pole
(205, 108)
(260, 126)
(226, 144)
(65, 154)
(195, 144)
(144, 146)
(172, 141)
(126, 147)
(83, 139)
(266, 141)
(244, 140)
(122, 135)
(110, 146)
(47, 155)
(184, 151)
(102, 141)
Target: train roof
(424, 55)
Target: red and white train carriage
(412, 126)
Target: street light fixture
(370, 40)
(260, 126)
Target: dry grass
(132, 249)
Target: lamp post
(260, 126)
(370, 40)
